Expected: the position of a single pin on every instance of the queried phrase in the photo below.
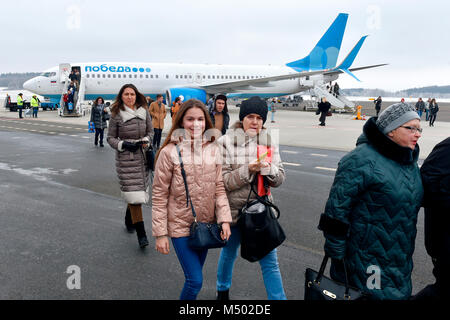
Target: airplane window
(176, 76)
(109, 76)
(209, 77)
(167, 76)
(156, 76)
(213, 77)
(234, 77)
(130, 76)
(119, 76)
(185, 76)
(146, 76)
(114, 76)
(104, 76)
(204, 77)
(151, 76)
(98, 76)
(87, 76)
(221, 77)
(141, 76)
(135, 75)
(190, 76)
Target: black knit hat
(253, 105)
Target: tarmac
(292, 128)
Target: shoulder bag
(259, 227)
(202, 235)
(319, 287)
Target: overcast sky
(412, 36)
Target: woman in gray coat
(99, 115)
(130, 133)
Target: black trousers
(157, 138)
(323, 116)
(20, 112)
(99, 132)
(432, 119)
(378, 111)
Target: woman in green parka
(371, 213)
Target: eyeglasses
(413, 129)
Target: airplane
(202, 81)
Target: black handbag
(320, 288)
(259, 227)
(150, 156)
(202, 235)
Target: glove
(130, 146)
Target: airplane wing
(260, 82)
(265, 82)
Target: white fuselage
(106, 79)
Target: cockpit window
(48, 74)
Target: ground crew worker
(20, 104)
(35, 105)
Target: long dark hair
(96, 101)
(178, 122)
(118, 104)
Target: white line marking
(292, 164)
(288, 151)
(319, 155)
(328, 169)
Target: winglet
(348, 61)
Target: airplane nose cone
(30, 85)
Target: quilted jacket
(170, 214)
(131, 125)
(377, 192)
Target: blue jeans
(192, 264)
(35, 112)
(269, 267)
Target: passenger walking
(20, 104)
(99, 116)
(240, 168)
(70, 101)
(378, 102)
(420, 107)
(336, 89)
(427, 110)
(34, 103)
(171, 215)
(175, 108)
(130, 133)
(434, 108)
(158, 113)
(271, 108)
(323, 107)
(436, 181)
(219, 114)
(371, 213)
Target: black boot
(128, 223)
(223, 295)
(141, 235)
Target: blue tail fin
(325, 53)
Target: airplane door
(198, 78)
(64, 71)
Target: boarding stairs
(339, 102)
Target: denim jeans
(192, 264)
(269, 267)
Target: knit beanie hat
(395, 115)
(253, 105)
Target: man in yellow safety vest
(20, 104)
(35, 105)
